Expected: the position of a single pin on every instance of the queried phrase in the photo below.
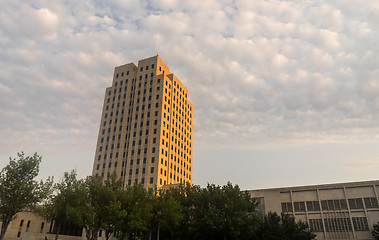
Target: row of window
(27, 227)
(121, 74)
(112, 146)
(158, 88)
(331, 205)
(338, 224)
(142, 181)
(163, 172)
(148, 115)
(161, 181)
(157, 96)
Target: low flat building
(332, 211)
(29, 226)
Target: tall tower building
(145, 134)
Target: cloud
(259, 73)
(364, 164)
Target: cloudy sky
(285, 92)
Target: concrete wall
(333, 211)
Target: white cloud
(259, 72)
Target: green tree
(187, 196)
(109, 207)
(101, 208)
(137, 205)
(375, 231)
(167, 212)
(70, 194)
(19, 189)
(270, 228)
(223, 213)
(91, 203)
(283, 227)
(296, 230)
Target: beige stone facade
(29, 226)
(333, 211)
(145, 134)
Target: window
(299, 206)
(151, 180)
(360, 224)
(371, 202)
(152, 170)
(355, 203)
(287, 207)
(313, 206)
(42, 225)
(27, 226)
(316, 225)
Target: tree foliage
(223, 213)
(375, 231)
(185, 212)
(19, 189)
(64, 205)
(167, 212)
(137, 204)
(283, 227)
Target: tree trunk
(89, 234)
(4, 228)
(150, 235)
(58, 230)
(94, 235)
(159, 226)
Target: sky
(285, 93)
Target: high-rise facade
(145, 134)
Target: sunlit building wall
(146, 128)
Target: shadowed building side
(332, 211)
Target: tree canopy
(375, 231)
(184, 212)
(19, 189)
(283, 227)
